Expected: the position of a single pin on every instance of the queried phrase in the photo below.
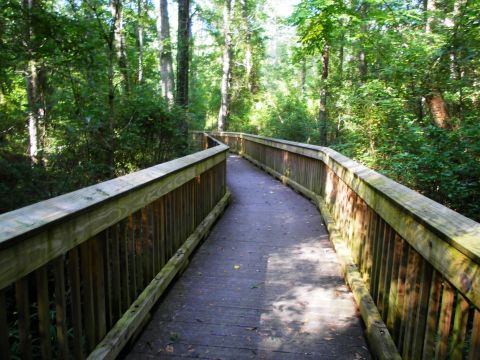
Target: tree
(226, 69)
(183, 55)
(165, 53)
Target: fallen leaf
(236, 267)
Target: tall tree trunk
(116, 10)
(322, 116)
(303, 75)
(249, 73)
(362, 61)
(140, 40)
(434, 100)
(183, 52)
(165, 53)
(227, 64)
(35, 84)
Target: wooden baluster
(98, 277)
(139, 251)
(443, 329)
(60, 307)
(132, 266)
(421, 314)
(394, 285)
(383, 268)
(4, 329)
(116, 273)
(432, 316)
(124, 260)
(41, 277)
(414, 270)
(474, 349)
(386, 278)
(107, 272)
(402, 274)
(88, 307)
(460, 323)
(76, 303)
(23, 308)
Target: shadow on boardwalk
(266, 284)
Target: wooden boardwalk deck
(266, 284)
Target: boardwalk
(265, 285)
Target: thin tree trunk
(35, 84)
(165, 53)
(303, 76)
(249, 73)
(116, 10)
(183, 52)
(322, 117)
(227, 64)
(434, 100)
(140, 40)
(362, 61)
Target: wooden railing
(80, 272)
(412, 263)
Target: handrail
(102, 247)
(417, 258)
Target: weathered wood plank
(459, 330)
(432, 316)
(60, 307)
(4, 333)
(76, 302)
(446, 314)
(23, 308)
(41, 278)
(474, 349)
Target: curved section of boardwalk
(266, 284)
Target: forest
(94, 89)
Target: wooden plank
(446, 314)
(23, 308)
(76, 303)
(411, 301)
(88, 310)
(128, 325)
(125, 264)
(24, 231)
(98, 282)
(398, 326)
(393, 293)
(107, 272)
(60, 307)
(421, 313)
(383, 269)
(41, 278)
(116, 274)
(4, 328)
(432, 316)
(459, 330)
(474, 349)
(387, 277)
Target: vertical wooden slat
(139, 249)
(41, 277)
(76, 303)
(87, 292)
(383, 268)
(98, 277)
(162, 224)
(23, 307)
(377, 256)
(116, 273)
(420, 316)
(411, 300)
(432, 316)
(446, 313)
(402, 273)
(4, 331)
(60, 307)
(387, 278)
(107, 272)
(132, 267)
(460, 327)
(124, 259)
(393, 292)
(474, 349)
